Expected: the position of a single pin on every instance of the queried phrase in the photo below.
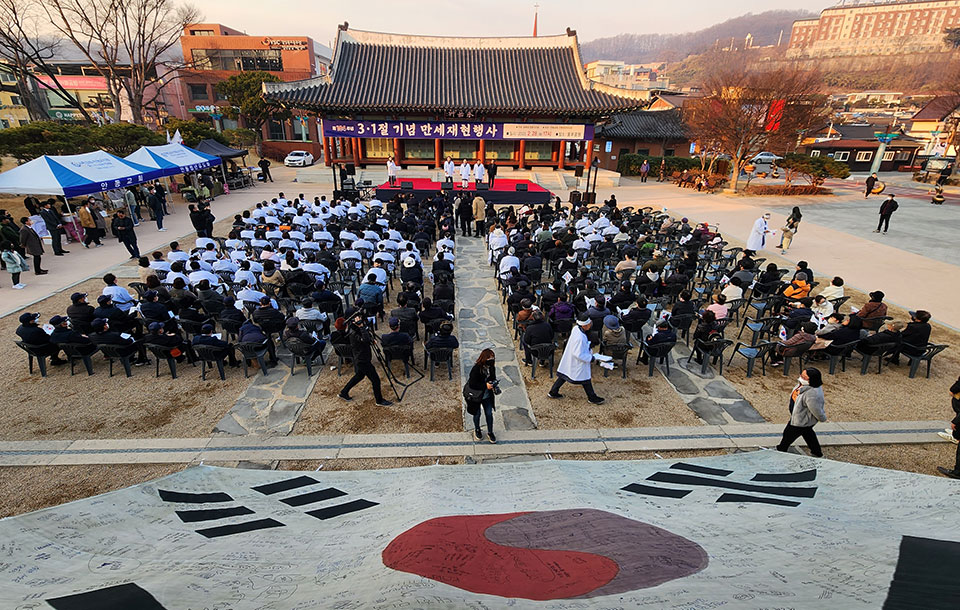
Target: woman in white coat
(448, 169)
(758, 235)
(392, 172)
(464, 174)
(479, 172)
(575, 363)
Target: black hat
(155, 326)
(76, 296)
(98, 324)
(103, 299)
(57, 320)
(206, 328)
(27, 318)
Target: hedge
(629, 164)
(780, 189)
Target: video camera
(496, 387)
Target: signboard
(76, 83)
(65, 114)
(285, 44)
(456, 130)
(608, 147)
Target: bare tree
(745, 112)
(27, 53)
(126, 41)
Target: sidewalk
(512, 442)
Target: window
(298, 129)
(201, 32)
(237, 60)
(888, 155)
(539, 151)
(6, 77)
(640, 151)
(864, 155)
(198, 92)
(378, 148)
(15, 100)
(461, 149)
(219, 96)
(499, 149)
(276, 131)
(669, 152)
(842, 155)
(418, 149)
(814, 153)
(903, 155)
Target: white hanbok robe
(758, 235)
(448, 169)
(464, 171)
(479, 171)
(391, 168)
(576, 359)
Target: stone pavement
(512, 442)
(482, 325)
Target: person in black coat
(54, 223)
(64, 333)
(103, 335)
(223, 348)
(31, 244)
(152, 309)
(538, 331)
(665, 334)
(799, 314)
(443, 339)
(156, 206)
(198, 220)
(914, 338)
(465, 216)
(481, 384)
(251, 333)
(954, 431)
(887, 208)
(268, 318)
(31, 334)
(360, 341)
(120, 319)
(889, 334)
(123, 228)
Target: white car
(765, 158)
(298, 158)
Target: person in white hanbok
(758, 235)
(479, 172)
(448, 169)
(575, 363)
(392, 171)
(464, 174)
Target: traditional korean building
(523, 101)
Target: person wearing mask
(103, 334)
(887, 208)
(54, 223)
(294, 333)
(31, 334)
(914, 338)
(758, 234)
(123, 228)
(360, 341)
(821, 307)
(873, 310)
(32, 244)
(479, 393)
(92, 222)
(15, 264)
(801, 313)
(664, 334)
(789, 229)
(806, 409)
(575, 363)
(63, 332)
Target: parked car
(765, 158)
(298, 158)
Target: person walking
(130, 199)
(644, 170)
(391, 172)
(265, 169)
(870, 182)
(156, 205)
(123, 229)
(492, 173)
(887, 208)
(360, 341)
(789, 229)
(31, 244)
(806, 409)
(54, 226)
(952, 434)
(90, 220)
(479, 393)
(465, 216)
(14, 262)
(575, 363)
(479, 215)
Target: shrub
(629, 164)
(783, 189)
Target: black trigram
(212, 514)
(313, 497)
(698, 480)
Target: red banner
(775, 115)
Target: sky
(591, 18)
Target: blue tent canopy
(75, 175)
(173, 159)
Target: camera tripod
(377, 350)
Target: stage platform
(504, 191)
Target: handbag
(471, 395)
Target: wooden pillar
(396, 151)
(562, 156)
(356, 152)
(588, 157)
(483, 152)
(523, 150)
(438, 152)
(326, 151)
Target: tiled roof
(937, 109)
(901, 142)
(389, 73)
(645, 125)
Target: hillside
(642, 48)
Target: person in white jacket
(575, 363)
(464, 174)
(479, 171)
(392, 171)
(448, 169)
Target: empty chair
(617, 351)
(542, 351)
(79, 351)
(35, 351)
(403, 353)
(839, 352)
(878, 350)
(161, 352)
(711, 350)
(123, 353)
(753, 353)
(760, 327)
(344, 353)
(658, 352)
(926, 355)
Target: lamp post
(884, 139)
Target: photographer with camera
(480, 390)
(361, 339)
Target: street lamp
(884, 138)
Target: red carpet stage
(504, 191)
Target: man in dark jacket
(64, 333)
(887, 208)
(395, 336)
(223, 348)
(665, 334)
(123, 229)
(914, 338)
(104, 335)
(444, 338)
(152, 309)
(492, 173)
(80, 312)
(265, 169)
(54, 225)
(156, 206)
(360, 341)
(538, 331)
(198, 221)
(870, 182)
(31, 333)
(465, 216)
(32, 244)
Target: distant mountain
(642, 48)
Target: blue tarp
(75, 175)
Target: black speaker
(351, 169)
(447, 186)
(521, 186)
(483, 186)
(406, 186)
(578, 171)
(589, 198)
(575, 197)
(351, 194)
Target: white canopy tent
(173, 159)
(75, 175)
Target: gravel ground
(53, 485)
(633, 402)
(426, 407)
(922, 459)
